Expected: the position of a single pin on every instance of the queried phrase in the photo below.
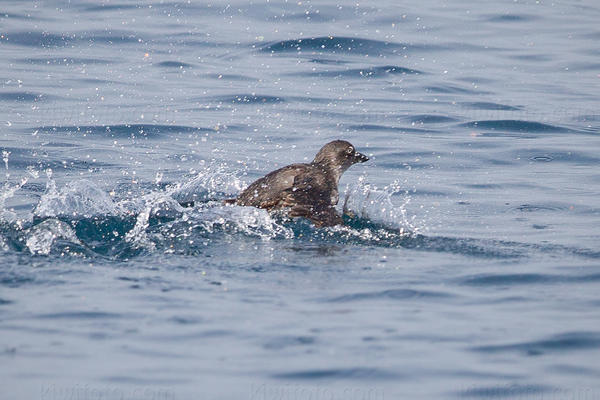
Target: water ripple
(38, 39)
(451, 89)
(249, 99)
(173, 64)
(563, 342)
(430, 119)
(481, 105)
(111, 7)
(515, 126)
(526, 279)
(52, 40)
(537, 207)
(395, 294)
(66, 61)
(339, 373)
(338, 44)
(22, 96)
(14, 280)
(503, 18)
(124, 130)
(80, 315)
(385, 128)
(369, 72)
(301, 17)
(281, 342)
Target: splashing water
(85, 217)
(212, 181)
(76, 199)
(138, 236)
(247, 220)
(5, 155)
(155, 205)
(8, 192)
(367, 202)
(43, 236)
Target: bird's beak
(359, 157)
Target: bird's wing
(325, 216)
(310, 197)
(266, 192)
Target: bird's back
(304, 189)
(269, 191)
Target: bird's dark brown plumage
(305, 190)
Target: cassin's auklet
(306, 190)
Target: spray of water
(161, 223)
(368, 202)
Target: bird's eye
(350, 150)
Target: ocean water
(469, 265)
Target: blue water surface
(468, 266)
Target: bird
(305, 190)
